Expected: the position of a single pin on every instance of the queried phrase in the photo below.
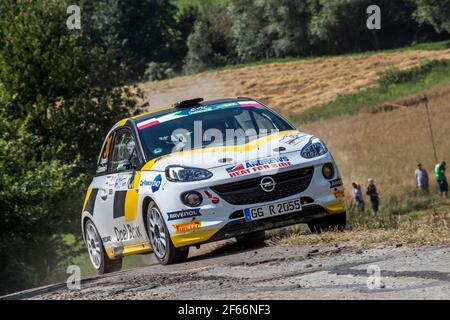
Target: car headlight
(314, 148)
(186, 174)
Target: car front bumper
(223, 220)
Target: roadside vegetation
(414, 219)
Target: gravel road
(228, 271)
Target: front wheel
(159, 236)
(336, 221)
(97, 253)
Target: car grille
(249, 191)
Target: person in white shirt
(422, 178)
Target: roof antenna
(188, 103)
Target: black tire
(105, 265)
(332, 222)
(171, 254)
(251, 239)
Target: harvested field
(289, 87)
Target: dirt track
(289, 87)
(277, 272)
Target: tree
(270, 28)
(340, 26)
(209, 45)
(250, 37)
(436, 13)
(139, 32)
(59, 94)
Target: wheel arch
(145, 204)
(85, 217)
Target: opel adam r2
(199, 172)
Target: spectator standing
(422, 182)
(441, 178)
(358, 196)
(373, 194)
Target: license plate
(274, 209)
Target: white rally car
(204, 171)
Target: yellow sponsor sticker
(339, 194)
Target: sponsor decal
(147, 123)
(103, 165)
(107, 147)
(106, 239)
(188, 226)
(336, 183)
(157, 150)
(220, 106)
(110, 181)
(249, 103)
(155, 184)
(258, 165)
(90, 205)
(339, 194)
(122, 181)
(127, 232)
(188, 112)
(183, 214)
(294, 138)
(131, 181)
(119, 204)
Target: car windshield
(207, 126)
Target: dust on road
(278, 272)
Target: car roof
(167, 110)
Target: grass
(421, 220)
(392, 85)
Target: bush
(395, 76)
(209, 45)
(159, 71)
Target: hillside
(289, 87)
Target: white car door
(123, 193)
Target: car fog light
(192, 199)
(328, 171)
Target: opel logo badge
(267, 184)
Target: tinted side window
(102, 165)
(123, 151)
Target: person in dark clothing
(358, 196)
(373, 195)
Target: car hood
(271, 146)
